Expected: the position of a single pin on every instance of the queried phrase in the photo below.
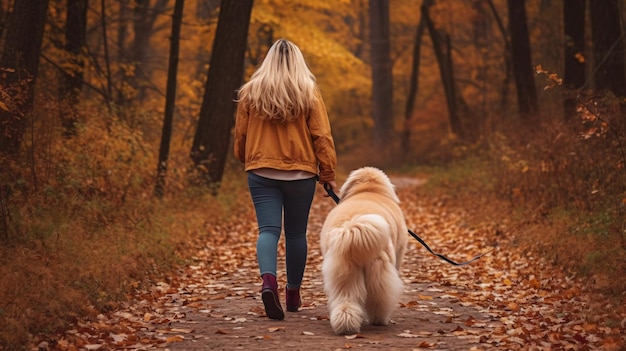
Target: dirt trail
(507, 300)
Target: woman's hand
(331, 189)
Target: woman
(282, 135)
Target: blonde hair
(283, 87)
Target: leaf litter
(508, 300)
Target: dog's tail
(362, 238)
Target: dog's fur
(363, 241)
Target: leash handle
(331, 193)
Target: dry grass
(80, 228)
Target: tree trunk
(75, 42)
(608, 46)
(574, 74)
(382, 81)
(212, 139)
(144, 17)
(522, 66)
(3, 20)
(19, 65)
(107, 59)
(170, 99)
(508, 65)
(441, 46)
(413, 85)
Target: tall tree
(170, 98)
(212, 138)
(608, 46)
(522, 65)
(144, 16)
(75, 43)
(443, 53)
(413, 84)
(19, 64)
(508, 65)
(574, 73)
(382, 82)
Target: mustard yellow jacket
(304, 144)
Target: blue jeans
(270, 198)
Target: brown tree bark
(521, 59)
(413, 85)
(20, 64)
(143, 19)
(75, 42)
(574, 70)
(212, 139)
(608, 46)
(382, 81)
(170, 99)
(508, 65)
(443, 53)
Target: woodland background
(115, 120)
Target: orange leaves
(508, 300)
(553, 78)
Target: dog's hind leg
(384, 288)
(346, 317)
(345, 288)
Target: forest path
(507, 300)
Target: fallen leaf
(512, 306)
(534, 283)
(354, 336)
(181, 330)
(175, 338)
(425, 344)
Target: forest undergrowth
(80, 226)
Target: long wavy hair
(283, 87)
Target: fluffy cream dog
(363, 241)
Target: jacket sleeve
(241, 131)
(323, 144)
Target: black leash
(331, 193)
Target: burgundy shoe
(293, 299)
(269, 294)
